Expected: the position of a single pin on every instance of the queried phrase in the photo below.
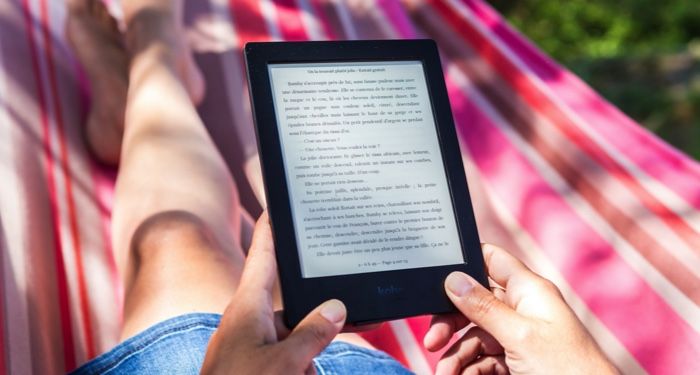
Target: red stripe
(385, 339)
(62, 285)
(68, 181)
(247, 14)
(419, 326)
(289, 21)
(551, 111)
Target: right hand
(524, 328)
(251, 338)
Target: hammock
(560, 177)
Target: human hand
(524, 327)
(251, 338)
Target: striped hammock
(558, 176)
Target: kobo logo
(388, 290)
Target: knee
(170, 234)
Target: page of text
(363, 166)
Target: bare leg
(176, 218)
(176, 209)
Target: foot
(99, 47)
(161, 22)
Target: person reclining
(194, 301)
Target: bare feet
(98, 44)
(161, 21)
(101, 50)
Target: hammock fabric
(559, 176)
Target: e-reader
(365, 187)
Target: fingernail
(458, 284)
(333, 311)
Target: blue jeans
(178, 345)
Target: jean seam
(318, 365)
(360, 352)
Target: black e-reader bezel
(372, 296)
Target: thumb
(483, 308)
(315, 332)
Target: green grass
(642, 55)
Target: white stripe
(409, 345)
(541, 264)
(311, 24)
(13, 235)
(269, 13)
(668, 197)
(683, 306)
(345, 19)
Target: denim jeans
(178, 345)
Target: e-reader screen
(367, 185)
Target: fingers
(501, 266)
(260, 268)
(315, 332)
(533, 295)
(250, 314)
(483, 308)
(475, 343)
(487, 365)
(442, 327)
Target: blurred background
(642, 55)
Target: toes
(94, 35)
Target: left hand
(251, 338)
(523, 327)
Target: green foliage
(642, 55)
